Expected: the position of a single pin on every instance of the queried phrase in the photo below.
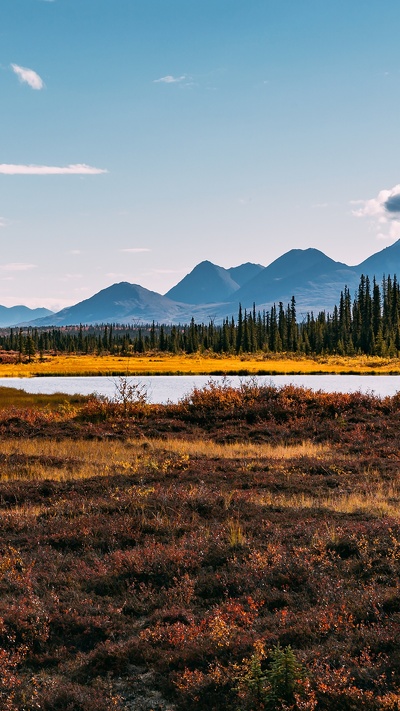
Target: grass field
(75, 365)
(238, 551)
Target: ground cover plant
(237, 551)
(194, 364)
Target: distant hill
(213, 292)
(244, 272)
(206, 284)
(313, 278)
(385, 262)
(20, 315)
(120, 303)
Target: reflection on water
(163, 388)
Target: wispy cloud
(69, 276)
(383, 211)
(17, 267)
(135, 250)
(28, 76)
(169, 79)
(74, 251)
(3, 222)
(76, 169)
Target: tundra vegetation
(237, 551)
(196, 364)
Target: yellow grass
(84, 459)
(65, 460)
(239, 450)
(78, 459)
(385, 501)
(199, 365)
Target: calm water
(161, 388)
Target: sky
(140, 137)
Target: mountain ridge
(193, 288)
(17, 315)
(116, 303)
(212, 292)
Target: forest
(366, 324)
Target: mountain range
(213, 292)
(10, 316)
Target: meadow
(195, 364)
(238, 551)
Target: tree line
(368, 323)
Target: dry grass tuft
(64, 460)
(36, 460)
(240, 450)
(383, 503)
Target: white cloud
(3, 222)
(74, 251)
(28, 76)
(68, 277)
(17, 267)
(136, 250)
(383, 211)
(169, 79)
(75, 169)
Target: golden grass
(264, 364)
(239, 450)
(38, 460)
(13, 397)
(65, 460)
(384, 502)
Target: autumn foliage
(239, 550)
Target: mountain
(119, 303)
(385, 262)
(313, 278)
(20, 315)
(244, 272)
(206, 284)
(212, 292)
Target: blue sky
(139, 137)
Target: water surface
(164, 388)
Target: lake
(163, 388)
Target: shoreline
(112, 366)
